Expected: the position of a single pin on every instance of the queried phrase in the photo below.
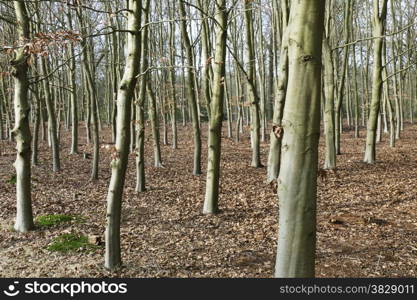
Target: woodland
(208, 138)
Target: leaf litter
(366, 214)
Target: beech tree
(251, 89)
(121, 149)
(191, 89)
(301, 126)
(216, 110)
(274, 155)
(328, 99)
(250, 75)
(21, 131)
(378, 20)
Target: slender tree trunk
(3, 98)
(140, 138)
(121, 149)
(216, 111)
(252, 93)
(205, 59)
(329, 120)
(387, 98)
(341, 88)
(140, 146)
(52, 121)
(191, 89)
(356, 92)
(91, 88)
(378, 30)
(73, 95)
(35, 141)
(155, 125)
(21, 131)
(172, 82)
(274, 156)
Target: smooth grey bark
(274, 155)
(73, 94)
(21, 130)
(121, 149)
(154, 124)
(355, 91)
(140, 146)
(252, 94)
(52, 121)
(172, 80)
(191, 89)
(329, 94)
(36, 126)
(341, 87)
(387, 98)
(297, 183)
(379, 17)
(216, 111)
(88, 65)
(329, 116)
(140, 106)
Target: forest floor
(366, 222)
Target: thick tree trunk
(301, 124)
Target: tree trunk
(21, 131)
(341, 88)
(155, 125)
(297, 186)
(378, 30)
(329, 120)
(274, 155)
(252, 93)
(191, 90)
(216, 111)
(35, 142)
(73, 95)
(121, 149)
(172, 81)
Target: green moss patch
(54, 220)
(70, 242)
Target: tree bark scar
(306, 58)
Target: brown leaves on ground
(367, 215)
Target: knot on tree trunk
(306, 58)
(278, 131)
